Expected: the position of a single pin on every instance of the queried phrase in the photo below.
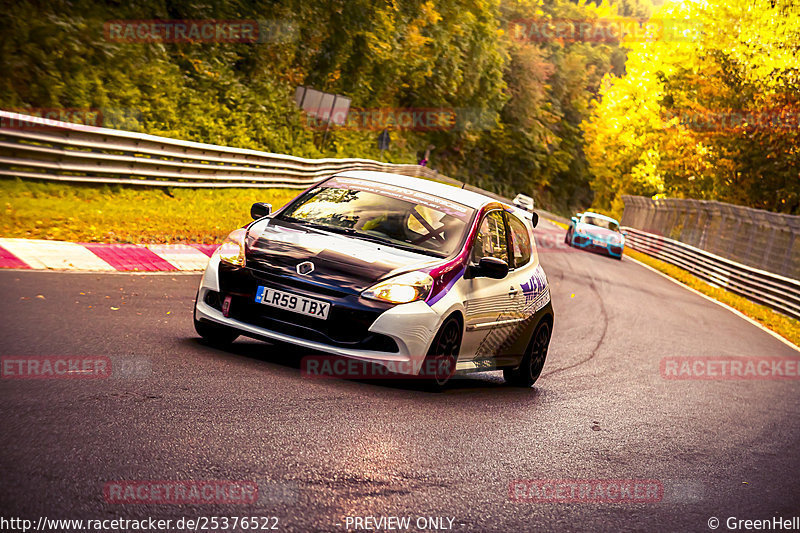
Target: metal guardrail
(31, 147)
(777, 292)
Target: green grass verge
(99, 213)
(788, 328)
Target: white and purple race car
(423, 278)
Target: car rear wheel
(533, 361)
(440, 363)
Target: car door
(498, 312)
(529, 283)
(489, 303)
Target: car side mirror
(624, 233)
(535, 218)
(574, 220)
(490, 267)
(260, 210)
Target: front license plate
(293, 302)
(600, 243)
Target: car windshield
(600, 222)
(384, 213)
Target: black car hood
(341, 262)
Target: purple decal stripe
(438, 295)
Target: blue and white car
(420, 277)
(596, 232)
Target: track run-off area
(321, 450)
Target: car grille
(346, 327)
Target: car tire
(440, 362)
(533, 361)
(214, 334)
(568, 238)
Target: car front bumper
(397, 337)
(587, 242)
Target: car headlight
(402, 289)
(231, 251)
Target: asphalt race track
(321, 450)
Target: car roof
(442, 190)
(598, 215)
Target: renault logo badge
(305, 268)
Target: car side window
(491, 239)
(520, 241)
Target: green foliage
(519, 104)
(709, 111)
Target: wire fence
(757, 238)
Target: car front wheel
(533, 361)
(214, 334)
(440, 363)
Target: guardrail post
(768, 252)
(734, 235)
(785, 269)
(753, 227)
(702, 214)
